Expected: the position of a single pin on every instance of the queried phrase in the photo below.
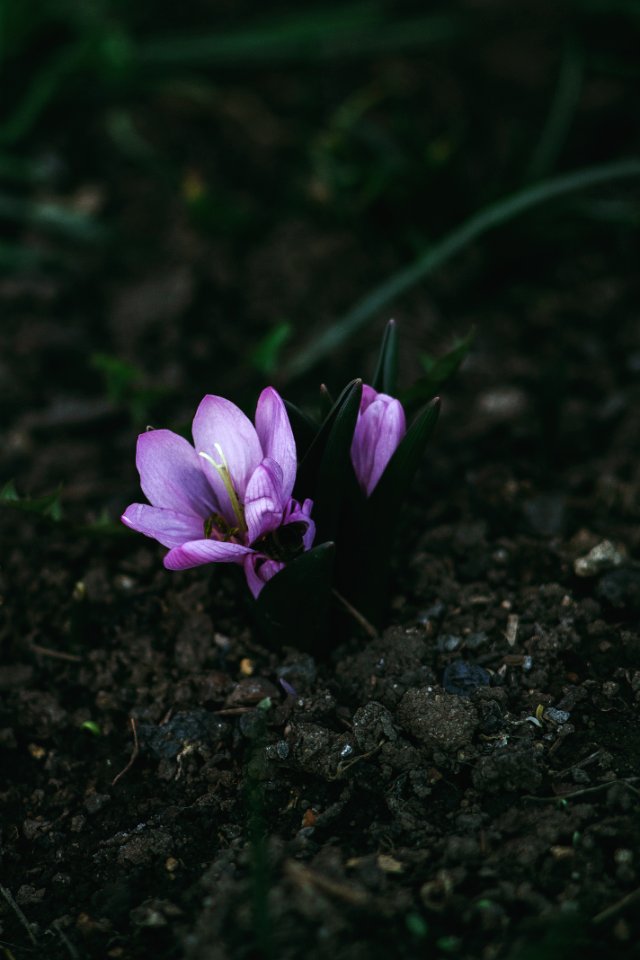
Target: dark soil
(465, 785)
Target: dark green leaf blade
(438, 371)
(396, 480)
(304, 428)
(294, 606)
(335, 466)
(385, 379)
(47, 506)
(309, 469)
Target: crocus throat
(223, 472)
(217, 528)
(283, 544)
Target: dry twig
(19, 914)
(134, 753)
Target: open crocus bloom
(380, 427)
(229, 499)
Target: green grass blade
(43, 88)
(385, 379)
(561, 113)
(275, 38)
(350, 31)
(480, 223)
(438, 371)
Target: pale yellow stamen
(222, 470)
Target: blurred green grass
(392, 121)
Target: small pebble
(462, 678)
(556, 716)
(448, 643)
(604, 556)
(503, 402)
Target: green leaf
(304, 428)
(293, 607)
(550, 140)
(334, 466)
(120, 376)
(438, 371)
(266, 355)
(326, 400)
(351, 30)
(385, 379)
(48, 506)
(92, 727)
(309, 468)
(44, 85)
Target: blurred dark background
(191, 194)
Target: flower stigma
(222, 470)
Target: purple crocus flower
(380, 427)
(229, 499)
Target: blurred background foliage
(196, 190)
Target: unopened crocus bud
(380, 427)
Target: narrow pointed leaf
(396, 480)
(309, 468)
(335, 466)
(293, 607)
(326, 400)
(304, 428)
(47, 506)
(438, 370)
(385, 379)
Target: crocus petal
(220, 429)
(171, 474)
(168, 527)
(368, 396)
(276, 436)
(258, 569)
(197, 552)
(263, 499)
(295, 513)
(379, 430)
